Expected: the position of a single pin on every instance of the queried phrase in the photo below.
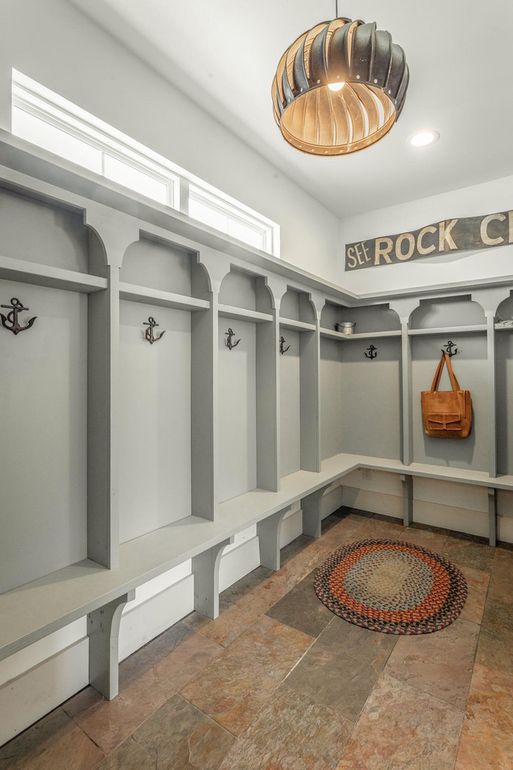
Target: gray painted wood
(312, 513)
(407, 483)
(267, 403)
(310, 400)
(102, 423)
(103, 632)
(204, 386)
(268, 531)
(290, 404)
(492, 516)
(205, 568)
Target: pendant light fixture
(339, 87)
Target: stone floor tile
(53, 743)
(487, 737)
(370, 647)
(477, 582)
(403, 729)
(291, 733)
(301, 609)
(495, 646)
(501, 581)
(433, 541)
(179, 737)
(129, 756)
(439, 664)
(146, 657)
(342, 667)
(109, 723)
(468, 553)
(239, 589)
(233, 689)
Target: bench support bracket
(407, 482)
(268, 531)
(492, 515)
(103, 631)
(311, 506)
(205, 568)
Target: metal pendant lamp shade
(339, 87)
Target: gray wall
(237, 464)
(52, 41)
(290, 432)
(155, 415)
(43, 423)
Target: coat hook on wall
(10, 320)
(450, 348)
(283, 342)
(230, 334)
(149, 334)
(371, 352)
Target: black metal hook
(450, 348)
(283, 349)
(371, 352)
(10, 320)
(230, 334)
(149, 334)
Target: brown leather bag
(446, 413)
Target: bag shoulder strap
(445, 360)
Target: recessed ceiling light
(424, 138)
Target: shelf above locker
(47, 275)
(298, 326)
(162, 298)
(450, 330)
(364, 336)
(240, 313)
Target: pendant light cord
(336, 9)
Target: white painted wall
(485, 198)
(57, 45)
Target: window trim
(40, 102)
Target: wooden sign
(449, 236)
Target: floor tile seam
(213, 719)
(298, 661)
(84, 731)
(441, 701)
(89, 737)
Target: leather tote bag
(446, 413)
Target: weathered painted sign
(449, 236)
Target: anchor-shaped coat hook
(149, 334)
(450, 348)
(230, 344)
(283, 349)
(10, 321)
(371, 352)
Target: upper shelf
(364, 336)
(468, 329)
(298, 326)
(230, 311)
(161, 298)
(47, 275)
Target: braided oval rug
(392, 587)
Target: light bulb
(336, 86)
(423, 138)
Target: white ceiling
(224, 53)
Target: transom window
(46, 119)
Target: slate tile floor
(279, 683)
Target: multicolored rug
(392, 587)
